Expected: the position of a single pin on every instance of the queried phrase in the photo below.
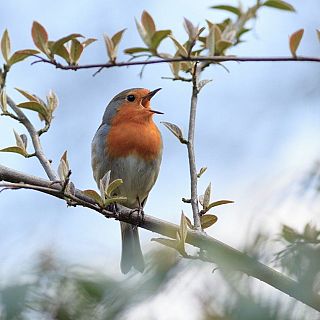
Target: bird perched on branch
(129, 144)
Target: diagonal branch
(216, 251)
(35, 140)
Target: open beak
(148, 97)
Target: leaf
(114, 200)
(3, 101)
(113, 186)
(93, 195)
(34, 106)
(208, 220)
(28, 95)
(295, 40)
(59, 43)
(183, 231)
(136, 50)
(318, 33)
(174, 129)
(202, 171)
(279, 4)
(143, 34)
(19, 141)
(166, 242)
(158, 36)
(21, 55)
(88, 41)
(289, 234)
(110, 48)
(175, 68)
(181, 49)
(211, 41)
(116, 38)
(202, 83)
(148, 23)
(232, 9)
(104, 183)
(14, 149)
(75, 51)
(189, 223)
(190, 29)
(52, 101)
(218, 203)
(40, 37)
(63, 53)
(222, 45)
(63, 168)
(206, 196)
(5, 45)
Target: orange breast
(134, 134)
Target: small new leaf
(208, 220)
(28, 95)
(59, 43)
(20, 55)
(35, 106)
(206, 197)
(3, 101)
(143, 34)
(279, 4)
(190, 29)
(318, 34)
(232, 9)
(148, 23)
(202, 83)
(93, 195)
(75, 51)
(183, 230)
(136, 50)
(113, 186)
(295, 40)
(14, 149)
(175, 130)
(63, 168)
(20, 143)
(181, 49)
(40, 37)
(157, 37)
(201, 172)
(218, 203)
(5, 45)
(88, 41)
(116, 38)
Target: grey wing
(99, 160)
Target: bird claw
(140, 214)
(113, 208)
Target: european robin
(129, 144)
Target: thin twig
(179, 59)
(35, 140)
(217, 252)
(190, 146)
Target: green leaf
(63, 168)
(232, 9)
(52, 101)
(211, 41)
(88, 41)
(289, 234)
(21, 55)
(222, 45)
(14, 149)
(174, 129)
(40, 37)
(158, 36)
(181, 49)
(175, 68)
(59, 43)
(75, 51)
(116, 38)
(279, 4)
(136, 50)
(202, 171)
(218, 203)
(318, 33)
(183, 231)
(63, 53)
(143, 34)
(5, 45)
(114, 200)
(166, 242)
(93, 195)
(148, 23)
(3, 100)
(294, 41)
(28, 95)
(113, 186)
(34, 106)
(110, 48)
(206, 197)
(208, 220)
(190, 29)
(20, 143)
(189, 223)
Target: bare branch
(217, 252)
(35, 140)
(216, 59)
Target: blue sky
(257, 128)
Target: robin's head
(133, 102)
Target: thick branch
(195, 59)
(190, 146)
(35, 140)
(216, 251)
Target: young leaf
(183, 228)
(35, 106)
(190, 29)
(59, 43)
(63, 168)
(148, 23)
(175, 68)
(318, 33)
(75, 51)
(222, 45)
(201, 172)
(202, 83)
(28, 95)
(93, 195)
(208, 220)
(206, 197)
(136, 50)
(174, 129)
(64, 54)
(14, 149)
(181, 49)
(113, 186)
(52, 101)
(19, 141)
(40, 37)
(110, 48)
(279, 4)
(211, 41)
(294, 41)
(88, 41)
(5, 45)
(116, 38)
(114, 200)
(143, 34)
(232, 9)
(104, 183)
(158, 36)
(3, 101)
(189, 223)
(21, 55)
(218, 203)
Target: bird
(129, 143)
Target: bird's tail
(131, 255)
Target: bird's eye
(131, 97)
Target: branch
(169, 60)
(35, 140)
(216, 251)
(190, 146)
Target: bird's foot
(140, 214)
(113, 208)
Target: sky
(257, 129)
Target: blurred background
(257, 132)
